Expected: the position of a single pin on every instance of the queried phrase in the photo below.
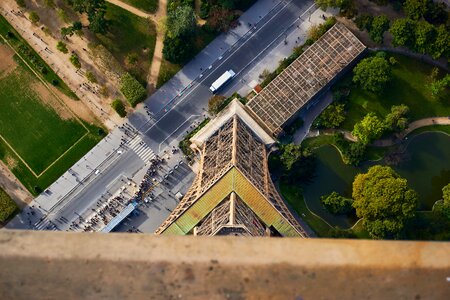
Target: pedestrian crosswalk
(141, 149)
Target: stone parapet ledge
(58, 265)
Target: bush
(215, 104)
(21, 3)
(337, 204)
(133, 91)
(118, 106)
(7, 206)
(75, 61)
(34, 17)
(61, 46)
(91, 77)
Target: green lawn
(166, 71)
(293, 196)
(150, 6)
(129, 33)
(409, 85)
(32, 58)
(37, 133)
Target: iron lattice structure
(232, 192)
(305, 77)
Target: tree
(75, 61)
(369, 128)
(384, 201)
(354, 153)
(372, 73)
(290, 154)
(178, 50)
(95, 10)
(98, 23)
(425, 35)
(332, 116)
(379, 25)
(415, 9)
(221, 19)
(133, 91)
(441, 44)
(403, 31)
(118, 106)
(436, 13)
(66, 31)
(34, 17)
(61, 46)
(21, 3)
(364, 21)
(216, 104)
(437, 87)
(91, 77)
(181, 22)
(442, 207)
(337, 204)
(396, 120)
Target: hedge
(133, 91)
(7, 206)
(118, 106)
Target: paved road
(170, 122)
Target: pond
(427, 170)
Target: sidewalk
(211, 53)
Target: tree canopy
(181, 22)
(332, 116)
(396, 119)
(402, 31)
(415, 9)
(377, 28)
(337, 204)
(372, 73)
(290, 153)
(384, 201)
(369, 128)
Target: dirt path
(13, 187)
(396, 137)
(157, 18)
(45, 46)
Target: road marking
(159, 146)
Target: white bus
(221, 81)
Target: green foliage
(118, 106)
(75, 61)
(402, 31)
(415, 9)
(364, 22)
(133, 91)
(438, 87)
(21, 3)
(181, 22)
(61, 46)
(132, 58)
(62, 15)
(215, 104)
(379, 25)
(91, 77)
(95, 10)
(316, 31)
(425, 35)
(50, 3)
(384, 201)
(221, 19)
(442, 207)
(437, 13)
(396, 120)
(7, 206)
(372, 73)
(34, 17)
(178, 50)
(290, 154)
(185, 144)
(166, 71)
(369, 128)
(331, 117)
(337, 204)
(352, 153)
(441, 45)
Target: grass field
(39, 137)
(150, 6)
(128, 34)
(33, 59)
(409, 85)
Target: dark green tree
(372, 73)
(332, 116)
(415, 9)
(379, 25)
(396, 120)
(178, 50)
(425, 35)
(337, 204)
(290, 154)
(403, 32)
(181, 22)
(384, 201)
(441, 44)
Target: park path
(157, 18)
(393, 139)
